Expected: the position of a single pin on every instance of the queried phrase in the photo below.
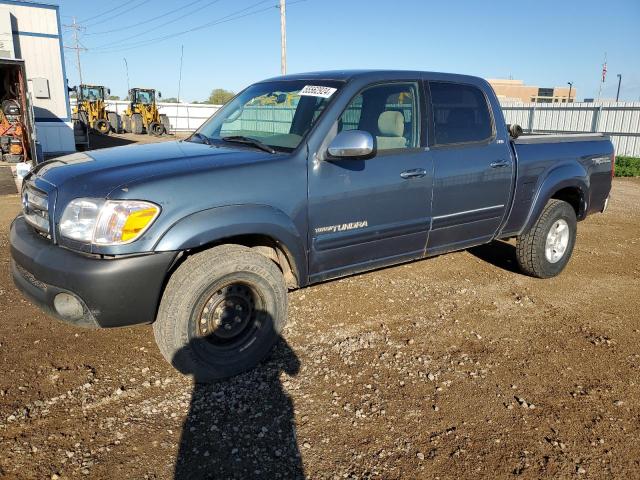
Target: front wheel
(546, 248)
(126, 124)
(114, 122)
(164, 120)
(221, 312)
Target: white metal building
(31, 31)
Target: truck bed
(540, 157)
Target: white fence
(620, 120)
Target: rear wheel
(221, 312)
(546, 248)
(136, 124)
(155, 129)
(102, 126)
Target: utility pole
(77, 46)
(180, 91)
(570, 87)
(180, 75)
(619, 82)
(283, 37)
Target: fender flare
(570, 175)
(215, 224)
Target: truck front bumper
(86, 291)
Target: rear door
(473, 168)
(367, 213)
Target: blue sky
(542, 42)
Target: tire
(136, 124)
(164, 120)
(531, 249)
(126, 124)
(102, 126)
(205, 283)
(155, 129)
(114, 122)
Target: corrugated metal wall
(620, 120)
(37, 40)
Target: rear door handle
(413, 173)
(499, 164)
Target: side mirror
(108, 91)
(514, 130)
(352, 144)
(159, 94)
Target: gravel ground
(456, 366)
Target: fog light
(68, 306)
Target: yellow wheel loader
(91, 111)
(142, 115)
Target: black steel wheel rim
(228, 316)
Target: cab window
(460, 114)
(390, 113)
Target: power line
(173, 20)
(120, 13)
(136, 25)
(228, 18)
(106, 12)
(210, 23)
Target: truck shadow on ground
(242, 427)
(498, 253)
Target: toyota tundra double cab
(297, 180)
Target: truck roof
(377, 74)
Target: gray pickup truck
(297, 180)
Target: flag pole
(604, 75)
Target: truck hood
(98, 172)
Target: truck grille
(35, 206)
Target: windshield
(278, 114)
(144, 96)
(91, 93)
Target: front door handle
(499, 164)
(413, 173)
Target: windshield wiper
(249, 141)
(203, 138)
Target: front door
(473, 169)
(367, 213)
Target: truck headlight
(107, 222)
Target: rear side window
(460, 113)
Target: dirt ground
(97, 141)
(452, 367)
